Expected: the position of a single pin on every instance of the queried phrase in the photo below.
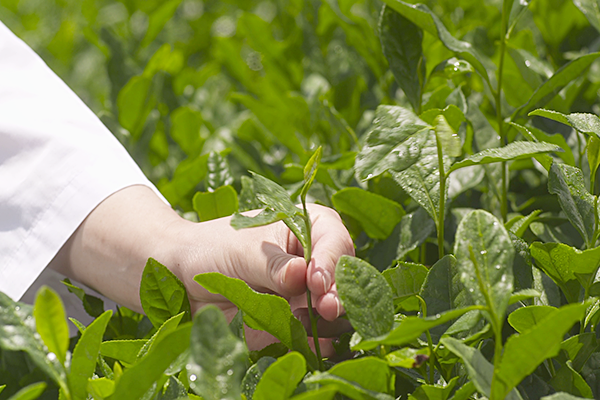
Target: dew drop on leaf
(51, 356)
(193, 378)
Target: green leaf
(593, 153)
(523, 295)
(212, 205)
(281, 378)
(92, 305)
(407, 357)
(134, 103)
(406, 279)
(577, 203)
(410, 328)
(217, 357)
(480, 370)
(519, 226)
(254, 375)
(324, 393)
(2, 387)
(401, 42)
(556, 83)
(591, 10)
(158, 19)
(377, 215)
(136, 380)
(125, 351)
(582, 122)
(365, 295)
(451, 145)
(278, 207)
(51, 322)
(167, 327)
(162, 294)
(189, 173)
(262, 311)
(513, 151)
(85, 355)
(564, 264)
(310, 172)
(569, 380)
(369, 372)
(579, 348)
(347, 388)
(524, 352)
(422, 180)
(452, 114)
(562, 396)
(30, 392)
(17, 333)
(484, 254)
(218, 172)
(427, 20)
(393, 142)
(525, 318)
(434, 392)
(185, 130)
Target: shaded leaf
(125, 351)
(254, 374)
(377, 215)
(217, 358)
(162, 294)
(591, 10)
(570, 381)
(281, 378)
(136, 381)
(30, 392)
(262, 311)
(577, 203)
(346, 387)
(410, 328)
(401, 42)
(424, 18)
(158, 19)
(405, 279)
(365, 295)
(480, 370)
(525, 318)
(556, 83)
(524, 352)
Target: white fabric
(57, 163)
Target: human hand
(269, 259)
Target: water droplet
(51, 356)
(193, 378)
(229, 372)
(369, 176)
(471, 290)
(17, 308)
(483, 252)
(498, 266)
(438, 315)
(528, 63)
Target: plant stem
(307, 258)
(429, 342)
(440, 219)
(504, 195)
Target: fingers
(331, 240)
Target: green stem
(429, 342)
(307, 258)
(498, 96)
(442, 205)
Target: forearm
(110, 248)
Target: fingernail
(338, 307)
(326, 279)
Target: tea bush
(459, 140)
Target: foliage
(459, 141)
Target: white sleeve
(57, 163)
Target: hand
(128, 227)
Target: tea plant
(458, 140)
